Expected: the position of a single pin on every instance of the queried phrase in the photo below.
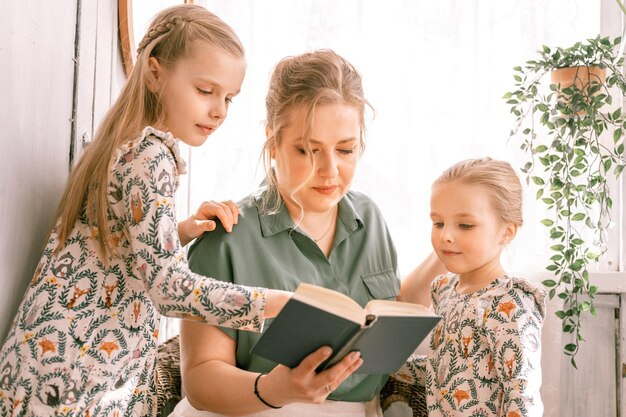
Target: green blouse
(269, 251)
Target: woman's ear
(268, 135)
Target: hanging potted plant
(572, 135)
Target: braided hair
(160, 29)
(169, 38)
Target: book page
(396, 308)
(331, 301)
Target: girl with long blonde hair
(84, 340)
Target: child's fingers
(234, 208)
(206, 225)
(213, 209)
(224, 212)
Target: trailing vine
(573, 140)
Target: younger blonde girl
(484, 357)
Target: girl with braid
(84, 340)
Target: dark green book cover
(385, 341)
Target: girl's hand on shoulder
(203, 220)
(302, 384)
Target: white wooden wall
(37, 84)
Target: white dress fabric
(326, 409)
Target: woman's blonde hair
(498, 177)
(301, 83)
(168, 39)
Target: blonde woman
(83, 342)
(306, 225)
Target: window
(434, 71)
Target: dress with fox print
(484, 357)
(84, 340)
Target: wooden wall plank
(36, 84)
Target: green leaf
(538, 180)
(578, 217)
(549, 283)
(547, 222)
(570, 347)
(617, 113)
(539, 193)
(617, 134)
(575, 267)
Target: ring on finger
(328, 389)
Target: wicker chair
(411, 394)
(168, 381)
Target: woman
(304, 226)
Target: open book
(385, 332)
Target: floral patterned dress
(485, 354)
(84, 340)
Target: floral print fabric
(484, 357)
(84, 340)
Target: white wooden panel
(88, 27)
(622, 352)
(611, 25)
(100, 75)
(36, 84)
(591, 390)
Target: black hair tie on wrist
(256, 392)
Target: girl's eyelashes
(204, 92)
(463, 226)
(346, 151)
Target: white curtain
(435, 71)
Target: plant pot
(577, 80)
